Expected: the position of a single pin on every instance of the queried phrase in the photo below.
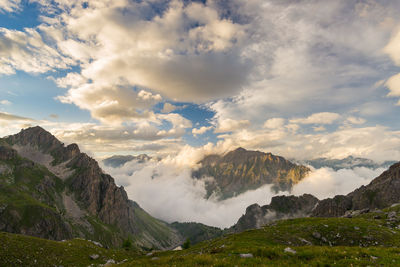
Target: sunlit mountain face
(180, 81)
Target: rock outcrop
(241, 170)
(279, 208)
(381, 193)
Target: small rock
(155, 258)
(246, 255)
(305, 241)
(316, 235)
(356, 228)
(392, 216)
(374, 258)
(324, 239)
(395, 205)
(94, 256)
(149, 254)
(290, 250)
(109, 262)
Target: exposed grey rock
(110, 262)
(290, 250)
(305, 241)
(246, 255)
(280, 207)
(94, 256)
(316, 235)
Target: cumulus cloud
(393, 50)
(274, 123)
(318, 118)
(112, 103)
(168, 107)
(229, 125)
(153, 46)
(27, 51)
(375, 142)
(201, 130)
(9, 5)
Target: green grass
(19, 250)
(361, 241)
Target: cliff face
(381, 193)
(84, 200)
(241, 170)
(280, 207)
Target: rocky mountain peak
(241, 170)
(36, 137)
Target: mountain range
(54, 191)
(349, 162)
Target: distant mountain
(241, 170)
(346, 163)
(56, 192)
(382, 192)
(119, 160)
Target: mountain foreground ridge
(54, 191)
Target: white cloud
(392, 48)
(168, 192)
(168, 107)
(5, 102)
(318, 118)
(393, 83)
(274, 123)
(201, 130)
(327, 183)
(27, 51)
(9, 5)
(319, 128)
(355, 120)
(228, 125)
(113, 104)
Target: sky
(179, 79)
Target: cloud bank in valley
(168, 192)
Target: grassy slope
(197, 232)
(359, 241)
(20, 250)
